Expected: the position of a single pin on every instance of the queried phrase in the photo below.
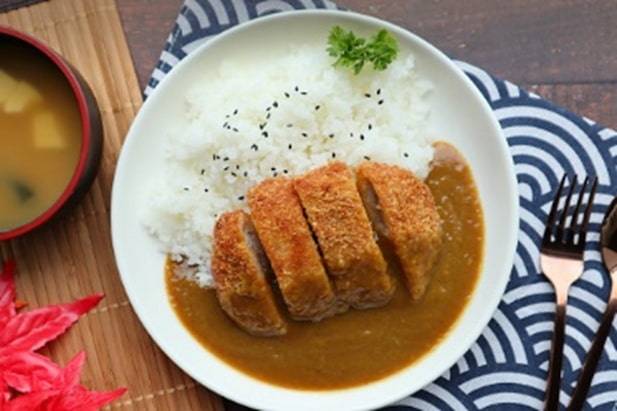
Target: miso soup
(40, 133)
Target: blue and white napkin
(506, 368)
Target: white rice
(376, 115)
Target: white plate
(459, 114)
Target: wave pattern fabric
(506, 368)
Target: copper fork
(608, 242)
(561, 261)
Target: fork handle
(593, 356)
(551, 402)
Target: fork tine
(583, 228)
(551, 215)
(574, 222)
(564, 213)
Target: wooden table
(564, 50)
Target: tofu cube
(48, 132)
(7, 86)
(21, 98)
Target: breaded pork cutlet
(339, 221)
(289, 245)
(239, 269)
(403, 210)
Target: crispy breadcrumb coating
(289, 245)
(239, 274)
(339, 221)
(403, 209)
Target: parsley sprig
(354, 52)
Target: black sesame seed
(186, 189)
(380, 102)
(406, 154)
(378, 91)
(275, 174)
(226, 159)
(205, 190)
(265, 134)
(273, 168)
(289, 146)
(289, 125)
(367, 158)
(275, 104)
(370, 126)
(269, 108)
(304, 135)
(246, 173)
(228, 127)
(241, 198)
(235, 112)
(331, 135)
(225, 125)
(285, 171)
(202, 171)
(361, 136)
(268, 116)
(262, 125)
(296, 88)
(317, 107)
(235, 129)
(226, 115)
(333, 155)
(234, 174)
(237, 167)
(304, 93)
(215, 215)
(226, 168)
(351, 135)
(286, 94)
(367, 95)
(213, 157)
(255, 147)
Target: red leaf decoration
(27, 371)
(71, 373)
(32, 330)
(4, 393)
(30, 381)
(34, 401)
(7, 293)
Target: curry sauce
(359, 346)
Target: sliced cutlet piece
(239, 268)
(338, 219)
(403, 210)
(289, 245)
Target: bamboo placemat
(72, 257)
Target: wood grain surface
(562, 49)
